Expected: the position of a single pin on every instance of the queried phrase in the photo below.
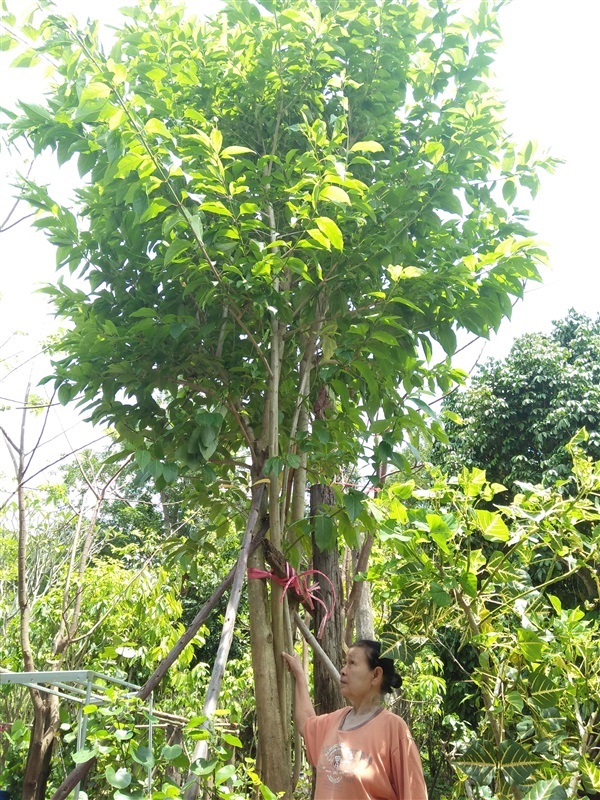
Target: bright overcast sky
(547, 72)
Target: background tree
(281, 211)
(518, 415)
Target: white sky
(547, 72)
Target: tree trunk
(273, 748)
(39, 756)
(326, 690)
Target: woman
(363, 752)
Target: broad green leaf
(143, 756)
(267, 794)
(232, 740)
(468, 582)
(517, 763)
(28, 58)
(204, 766)
(36, 112)
(329, 229)
(235, 150)
(335, 194)
(94, 91)
(216, 139)
(439, 595)
(175, 249)
(531, 645)
(157, 126)
(143, 459)
(171, 752)
(224, 774)
(386, 338)
(353, 503)
(83, 755)
(493, 527)
(447, 338)
(65, 393)
(216, 207)
(543, 692)
(516, 700)
(320, 237)
(325, 533)
(366, 147)
(479, 762)
(509, 191)
(7, 42)
(590, 775)
(449, 202)
(546, 790)
(119, 779)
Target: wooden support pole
(329, 665)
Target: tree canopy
(335, 173)
(518, 415)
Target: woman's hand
(294, 664)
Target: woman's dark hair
(391, 679)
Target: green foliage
(481, 589)
(518, 415)
(118, 737)
(292, 162)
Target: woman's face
(357, 679)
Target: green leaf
(590, 775)
(232, 740)
(143, 756)
(171, 752)
(366, 147)
(546, 790)
(119, 779)
(353, 503)
(157, 126)
(83, 755)
(319, 237)
(330, 229)
(235, 150)
(543, 692)
(204, 766)
(224, 774)
(216, 207)
(509, 191)
(143, 459)
(439, 595)
(175, 249)
(478, 763)
(531, 645)
(325, 533)
(216, 139)
(335, 194)
(493, 527)
(517, 763)
(447, 338)
(94, 91)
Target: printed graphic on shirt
(339, 761)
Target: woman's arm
(303, 707)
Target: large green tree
(281, 212)
(518, 415)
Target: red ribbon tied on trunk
(298, 581)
